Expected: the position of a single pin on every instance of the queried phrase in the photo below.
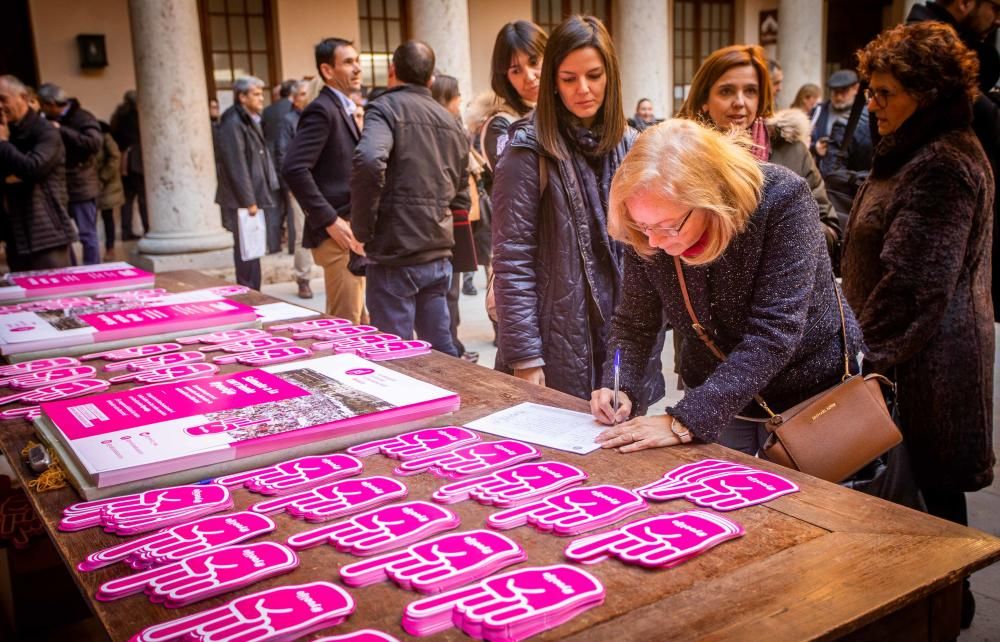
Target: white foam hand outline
(28, 380)
(266, 356)
(168, 373)
(419, 443)
(121, 354)
(312, 324)
(38, 365)
(572, 511)
(246, 345)
(365, 635)
(151, 506)
(727, 491)
(224, 336)
(56, 391)
(156, 361)
(380, 529)
(513, 485)
(338, 499)
(294, 474)
(469, 460)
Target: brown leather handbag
(833, 434)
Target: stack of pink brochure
(84, 279)
(120, 437)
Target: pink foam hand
(180, 541)
(32, 380)
(161, 503)
(201, 576)
(513, 486)
(246, 345)
(312, 324)
(475, 459)
(295, 474)
(168, 373)
(131, 295)
(156, 361)
(395, 350)
(439, 564)
(572, 511)
(56, 391)
(381, 529)
(282, 613)
(134, 352)
(663, 540)
(510, 606)
(329, 334)
(37, 365)
(267, 356)
(420, 443)
(729, 491)
(224, 336)
(365, 635)
(339, 499)
(702, 469)
(225, 291)
(24, 412)
(226, 425)
(351, 345)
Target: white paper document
(271, 312)
(253, 234)
(543, 425)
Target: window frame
(677, 32)
(268, 14)
(404, 31)
(567, 9)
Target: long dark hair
(444, 88)
(513, 37)
(578, 32)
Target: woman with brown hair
(917, 266)
(807, 97)
(732, 89)
(557, 273)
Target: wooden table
(823, 563)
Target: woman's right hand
(602, 406)
(531, 375)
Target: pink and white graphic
(37, 365)
(61, 390)
(475, 459)
(295, 474)
(150, 510)
(224, 291)
(30, 380)
(24, 412)
(513, 486)
(246, 345)
(224, 336)
(130, 295)
(395, 350)
(312, 324)
(328, 334)
(381, 529)
(134, 352)
(351, 345)
(266, 356)
(181, 541)
(439, 564)
(156, 361)
(510, 606)
(419, 443)
(216, 427)
(284, 613)
(661, 541)
(339, 499)
(364, 635)
(168, 373)
(719, 485)
(204, 575)
(572, 511)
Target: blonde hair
(696, 167)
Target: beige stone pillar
(801, 51)
(179, 162)
(642, 38)
(444, 25)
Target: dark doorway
(851, 24)
(17, 45)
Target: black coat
(125, 131)
(33, 164)
(317, 165)
(270, 120)
(768, 301)
(246, 171)
(916, 268)
(82, 138)
(410, 170)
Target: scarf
(761, 149)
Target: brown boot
(305, 292)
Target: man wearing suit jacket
(317, 168)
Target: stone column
(801, 30)
(642, 38)
(444, 25)
(179, 162)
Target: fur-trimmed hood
(789, 125)
(484, 106)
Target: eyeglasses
(879, 96)
(663, 230)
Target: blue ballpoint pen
(618, 365)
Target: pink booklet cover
(103, 322)
(80, 280)
(124, 436)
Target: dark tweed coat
(916, 268)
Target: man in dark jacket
(37, 229)
(271, 119)
(303, 265)
(410, 173)
(317, 168)
(246, 172)
(82, 138)
(125, 131)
